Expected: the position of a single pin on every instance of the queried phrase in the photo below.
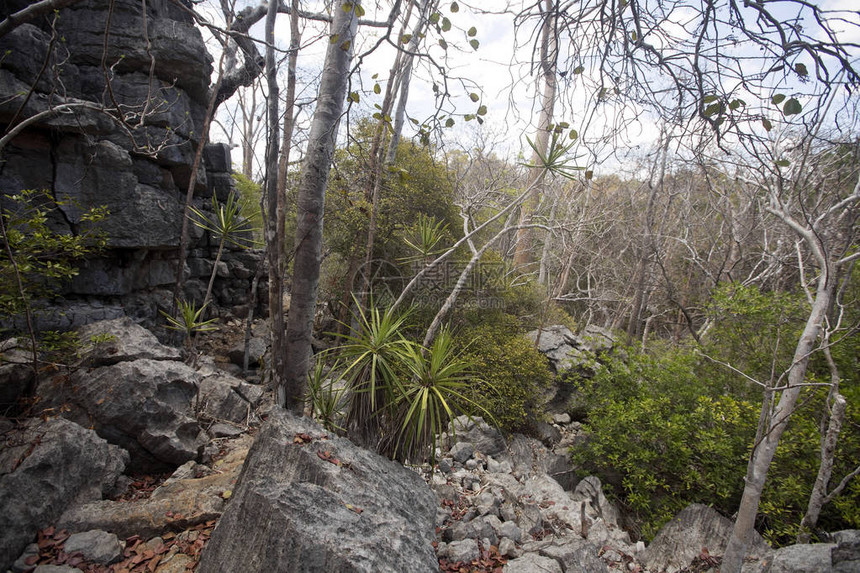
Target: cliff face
(150, 73)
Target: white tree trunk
(310, 205)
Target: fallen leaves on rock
(143, 486)
(139, 556)
(489, 562)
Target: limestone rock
(532, 563)
(802, 558)
(95, 545)
(144, 406)
(325, 505)
(128, 341)
(54, 465)
(682, 539)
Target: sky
(498, 71)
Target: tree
(310, 205)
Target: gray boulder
(16, 373)
(696, 527)
(845, 557)
(532, 563)
(486, 439)
(145, 406)
(559, 345)
(52, 466)
(802, 559)
(96, 545)
(128, 341)
(323, 505)
(575, 555)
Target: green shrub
(517, 373)
(660, 438)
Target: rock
(178, 503)
(529, 456)
(144, 406)
(464, 550)
(575, 555)
(558, 344)
(257, 347)
(509, 530)
(486, 439)
(532, 563)
(548, 434)
(508, 548)
(56, 569)
(222, 430)
(845, 557)
(682, 539)
(127, 341)
(365, 513)
(57, 464)
(223, 397)
(596, 339)
(16, 373)
(590, 490)
(563, 418)
(802, 558)
(462, 451)
(20, 565)
(95, 545)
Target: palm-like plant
(433, 391)
(427, 235)
(374, 356)
(229, 224)
(189, 321)
(325, 395)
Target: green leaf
(474, 44)
(443, 43)
(345, 46)
(446, 24)
(374, 76)
(715, 107)
(792, 107)
(710, 98)
(434, 17)
(455, 7)
(449, 122)
(482, 110)
(783, 163)
(472, 32)
(633, 36)
(469, 117)
(737, 103)
(589, 175)
(376, 89)
(353, 97)
(765, 122)
(359, 11)
(578, 70)
(777, 99)
(801, 70)
(474, 97)
(334, 38)
(573, 134)
(404, 39)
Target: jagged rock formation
(133, 156)
(310, 502)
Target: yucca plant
(427, 235)
(189, 322)
(433, 392)
(326, 395)
(229, 224)
(374, 356)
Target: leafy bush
(516, 372)
(661, 438)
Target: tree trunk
(825, 470)
(310, 205)
(548, 64)
(764, 450)
(274, 238)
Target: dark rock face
(50, 466)
(322, 505)
(139, 170)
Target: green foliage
(228, 222)
(188, 320)
(400, 395)
(661, 437)
(250, 194)
(326, 394)
(515, 371)
(44, 257)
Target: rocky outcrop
(320, 503)
(138, 395)
(50, 466)
(138, 167)
(696, 528)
